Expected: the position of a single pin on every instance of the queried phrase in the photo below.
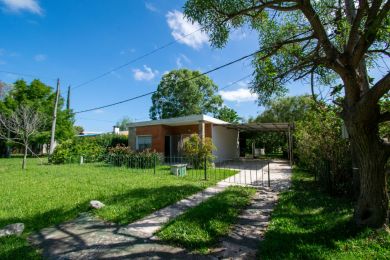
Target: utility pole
(53, 126)
(68, 100)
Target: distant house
(165, 135)
(116, 130)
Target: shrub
(321, 149)
(197, 151)
(71, 150)
(124, 156)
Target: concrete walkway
(89, 238)
(244, 239)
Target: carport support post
(205, 168)
(289, 146)
(269, 179)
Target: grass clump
(200, 228)
(309, 224)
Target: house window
(144, 142)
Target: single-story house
(165, 135)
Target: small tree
(123, 123)
(198, 150)
(20, 126)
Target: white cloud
(146, 74)
(238, 35)
(181, 60)
(40, 57)
(98, 111)
(23, 5)
(151, 7)
(238, 95)
(184, 31)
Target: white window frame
(136, 140)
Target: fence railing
(254, 172)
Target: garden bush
(198, 151)
(121, 155)
(321, 149)
(92, 148)
(70, 151)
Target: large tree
(184, 92)
(320, 41)
(40, 98)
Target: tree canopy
(40, 98)
(181, 94)
(227, 114)
(287, 109)
(123, 123)
(324, 42)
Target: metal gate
(253, 172)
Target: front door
(167, 146)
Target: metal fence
(254, 172)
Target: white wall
(226, 141)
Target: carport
(269, 127)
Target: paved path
(244, 239)
(89, 238)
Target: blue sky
(77, 40)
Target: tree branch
(319, 30)
(372, 25)
(379, 89)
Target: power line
(136, 59)
(235, 82)
(25, 74)
(152, 92)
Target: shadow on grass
(121, 208)
(308, 224)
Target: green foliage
(71, 150)
(178, 96)
(321, 149)
(123, 123)
(39, 97)
(313, 225)
(282, 110)
(123, 156)
(384, 128)
(198, 151)
(227, 114)
(92, 149)
(78, 129)
(286, 110)
(201, 227)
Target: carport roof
(262, 127)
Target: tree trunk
(373, 202)
(24, 165)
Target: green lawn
(200, 228)
(44, 195)
(308, 224)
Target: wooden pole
(53, 126)
(68, 100)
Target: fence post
(205, 168)
(154, 162)
(81, 159)
(269, 180)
